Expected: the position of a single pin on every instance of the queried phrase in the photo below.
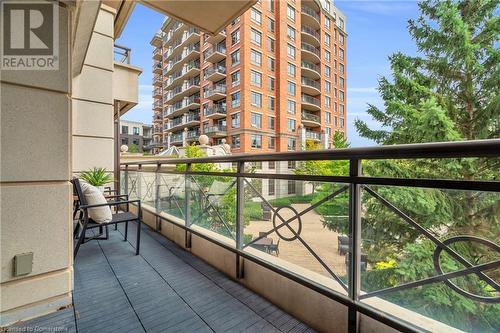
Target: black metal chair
(117, 217)
(343, 244)
(274, 248)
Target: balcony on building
(216, 111)
(157, 68)
(310, 35)
(310, 53)
(215, 131)
(216, 92)
(310, 70)
(311, 135)
(157, 39)
(310, 103)
(215, 53)
(188, 103)
(157, 105)
(310, 119)
(189, 70)
(157, 53)
(157, 93)
(193, 135)
(310, 86)
(188, 88)
(214, 73)
(157, 80)
(309, 15)
(176, 139)
(216, 38)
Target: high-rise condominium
(272, 80)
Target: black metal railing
(198, 198)
(122, 54)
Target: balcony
(176, 138)
(157, 68)
(215, 54)
(214, 73)
(157, 80)
(310, 35)
(188, 103)
(189, 70)
(310, 103)
(189, 87)
(157, 93)
(310, 70)
(315, 136)
(216, 131)
(310, 53)
(310, 119)
(310, 16)
(216, 92)
(216, 112)
(157, 105)
(214, 39)
(157, 53)
(310, 86)
(190, 53)
(192, 135)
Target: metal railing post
(125, 182)
(355, 242)
(157, 195)
(240, 218)
(187, 203)
(138, 182)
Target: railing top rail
(476, 148)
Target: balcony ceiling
(209, 15)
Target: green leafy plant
(97, 176)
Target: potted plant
(97, 177)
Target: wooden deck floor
(165, 289)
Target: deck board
(164, 289)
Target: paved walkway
(165, 289)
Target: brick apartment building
(271, 80)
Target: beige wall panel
(36, 218)
(215, 255)
(92, 152)
(105, 23)
(37, 289)
(35, 134)
(100, 52)
(48, 79)
(126, 83)
(94, 84)
(92, 119)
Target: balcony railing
(310, 48)
(214, 69)
(192, 135)
(221, 109)
(214, 129)
(217, 89)
(310, 65)
(310, 12)
(311, 83)
(310, 117)
(122, 54)
(311, 100)
(312, 135)
(310, 31)
(335, 219)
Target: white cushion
(94, 196)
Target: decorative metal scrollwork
(296, 233)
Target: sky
(376, 29)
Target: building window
(291, 165)
(256, 16)
(270, 24)
(341, 23)
(341, 82)
(291, 144)
(341, 68)
(341, 122)
(271, 123)
(290, 13)
(235, 99)
(135, 130)
(270, 64)
(124, 141)
(327, 22)
(256, 99)
(270, 103)
(328, 56)
(124, 129)
(256, 119)
(271, 165)
(327, 39)
(328, 101)
(341, 39)
(256, 57)
(271, 142)
(270, 44)
(235, 120)
(135, 142)
(291, 51)
(328, 117)
(235, 58)
(341, 108)
(270, 83)
(235, 141)
(235, 37)
(291, 187)
(291, 88)
(235, 78)
(328, 86)
(271, 186)
(270, 6)
(341, 95)
(290, 68)
(290, 32)
(291, 125)
(256, 37)
(256, 141)
(327, 71)
(291, 106)
(341, 54)
(256, 78)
